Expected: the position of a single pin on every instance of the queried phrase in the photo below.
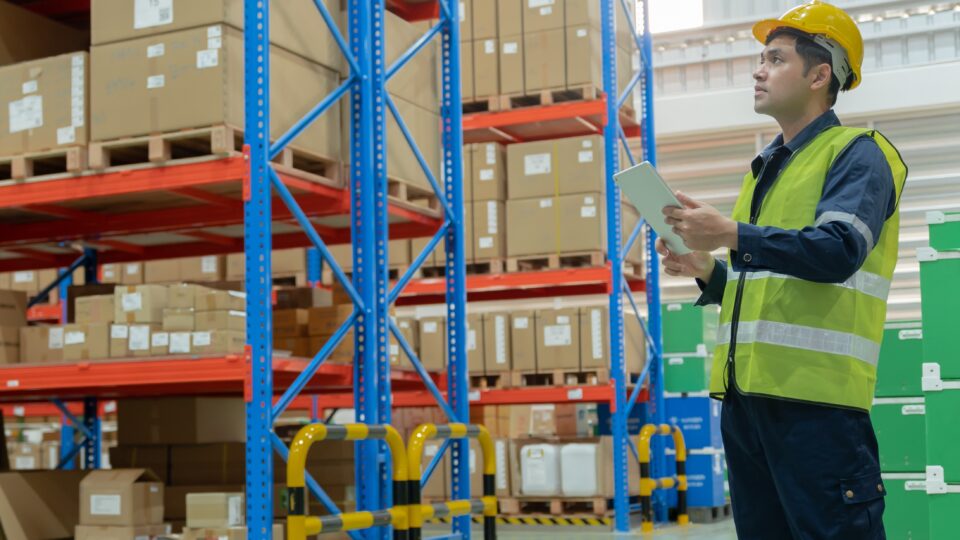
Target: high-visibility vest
(797, 339)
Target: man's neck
(792, 126)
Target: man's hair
(813, 55)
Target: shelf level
(566, 119)
(497, 396)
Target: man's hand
(698, 264)
(700, 225)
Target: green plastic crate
(942, 400)
(686, 373)
(901, 356)
(689, 329)
(899, 425)
(940, 303)
(907, 514)
(944, 230)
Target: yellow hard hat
(821, 19)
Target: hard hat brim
(763, 29)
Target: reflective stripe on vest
(803, 337)
(865, 282)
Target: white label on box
(501, 452)
(430, 327)
(105, 505)
(29, 87)
(587, 143)
(500, 336)
(473, 395)
(147, 13)
(131, 301)
(208, 58)
(66, 135)
(133, 269)
(179, 342)
(471, 340)
(23, 277)
(107, 271)
(430, 451)
(201, 339)
(394, 349)
(556, 335)
(596, 333)
(119, 331)
(910, 334)
(585, 156)
(208, 265)
(26, 113)
(563, 319)
(492, 215)
(511, 47)
(544, 11)
(55, 338)
(674, 307)
(463, 11)
(140, 338)
(236, 313)
(110, 407)
(532, 4)
(214, 43)
(576, 393)
(913, 409)
(675, 361)
(588, 200)
(154, 51)
(521, 323)
(160, 339)
(588, 211)
(582, 32)
(214, 31)
(13, 383)
(546, 203)
(234, 511)
(535, 164)
(74, 338)
(473, 461)
(486, 175)
(155, 81)
(19, 411)
(491, 154)
(489, 46)
(24, 462)
(237, 294)
(485, 242)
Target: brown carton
(180, 343)
(290, 323)
(523, 340)
(511, 64)
(46, 102)
(327, 320)
(555, 167)
(119, 341)
(161, 271)
(140, 343)
(489, 230)
(183, 295)
(155, 458)
(558, 339)
(105, 532)
(484, 19)
(13, 308)
(467, 70)
(544, 62)
(208, 268)
(510, 17)
(214, 342)
(20, 28)
(41, 344)
(581, 165)
(139, 304)
(595, 339)
(218, 510)
(588, 13)
(409, 329)
(180, 421)
(39, 504)
(437, 487)
(25, 281)
(496, 342)
(584, 51)
(540, 15)
(131, 273)
(207, 464)
(475, 344)
(206, 321)
(343, 354)
(86, 342)
(121, 497)
(95, 309)
(9, 344)
(466, 18)
(24, 456)
(179, 320)
(221, 300)
(302, 298)
(295, 346)
(192, 85)
(486, 65)
(159, 343)
(433, 343)
(489, 172)
(422, 124)
(289, 261)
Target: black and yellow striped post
(300, 525)
(648, 485)
(487, 505)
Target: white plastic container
(539, 470)
(578, 470)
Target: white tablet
(646, 190)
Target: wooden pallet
(597, 506)
(549, 97)
(709, 514)
(491, 380)
(492, 266)
(402, 191)
(45, 165)
(555, 261)
(561, 377)
(481, 105)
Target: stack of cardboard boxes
(121, 504)
(13, 310)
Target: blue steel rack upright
(370, 289)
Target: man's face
(780, 84)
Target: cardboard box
(467, 70)
(207, 464)
(221, 300)
(589, 12)
(39, 504)
(288, 261)
(139, 304)
(419, 81)
(119, 341)
(595, 339)
(496, 342)
(541, 15)
(556, 167)
(103, 532)
(484, 19)
(489, 230)
(574, 223)
(489, 172)
(75, 292)
(466, 18)
(327, 320)
(20, 28)
(206, 321)
(295, 346)
(187, 420)
(544, 61)
(122, 273)
(140, 343)
(208, 268)
(161, 271)
(290, 323)
(581, 165)
(24, 456)
(214, 342)
(558, 339)
(410, 330)
(433, 343)
(9, 344)
(475, 343)
(95, 309)
(179, 320)
(47, 106)
(510, 17)
(159, 343)
(121, 497)
(217, 510)
(194, 85)
(13, 308)
(523, 340)
(511, 60)
(180, 343)
(154, 458)
(437, 488)
(183, 295)
(422, 124)
(302, 298)
(86, 342)
(24, 281)
(343, 354)
(41, 344)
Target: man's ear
(823, 74)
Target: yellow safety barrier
(647, 484)
(300, 525)
(487, 505)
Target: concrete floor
(715, 531)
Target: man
(812, 247)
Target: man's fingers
(687, 201)
(671, 210)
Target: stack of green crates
(898, 419)
(940, 383)
(689, 336)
